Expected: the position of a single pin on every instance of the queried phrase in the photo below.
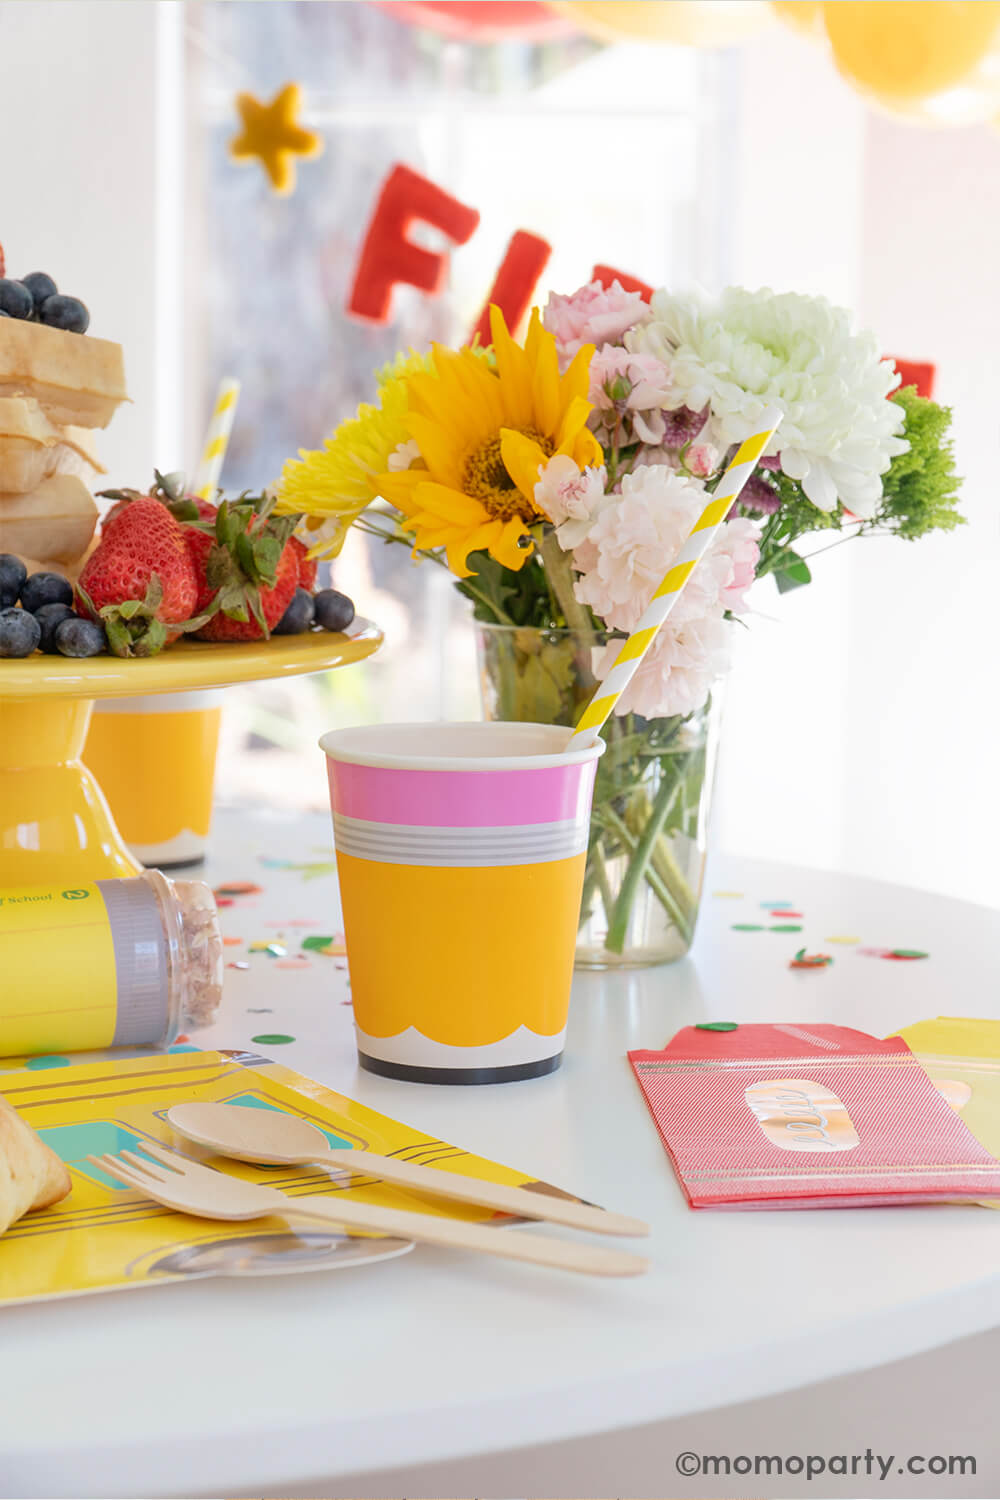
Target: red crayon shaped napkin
(804, 1116)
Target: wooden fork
(191, 1188)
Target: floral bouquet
(558, 479)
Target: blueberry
(40, 286)
(50, 617)
(12, 576)
(77, 637)
(333, 611)
(20, 633)
(15, 299)
(64, 312)
(298, 616)
(45, 588)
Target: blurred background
(863, 717)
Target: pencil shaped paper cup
(154, 758)
(460, 854)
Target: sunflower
(483, 435)
(332, 485)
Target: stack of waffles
(56, 387)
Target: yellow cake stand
(55, 825)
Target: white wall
(87, 194)
(925, 620)
(863, 728)
(795, 225)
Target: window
(519, 131)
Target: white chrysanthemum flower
(743, 351)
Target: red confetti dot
(784, 912)
(182, 1038)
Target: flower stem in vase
(639, 869)
(559, 577)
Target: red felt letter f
(388, 257)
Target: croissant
(31, 1176)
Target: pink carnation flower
(629, 386)
(593, 315)
(634, 540)
(678, 671)
(571, 497)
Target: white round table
(303, 1384)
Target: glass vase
(648, 834)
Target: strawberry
(308, 567)
(139, 580)
(169, 490)
(200, 545)
(247, 573)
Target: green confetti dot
(786, 927)
(37, 1063)
(316, 942)
(272, 1039)
(909, 953)
(747, 927)
(716, 1026)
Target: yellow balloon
(690, 23)
(935, 60)
(804, 15)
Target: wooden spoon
(275, 1138)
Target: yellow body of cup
(154, 758)
(460, 853)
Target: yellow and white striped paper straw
(217, 439)
(700, 538)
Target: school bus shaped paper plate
(105, 1236)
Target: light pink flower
(702, 459)
(633, 543)
(632, 387)
(571, 497)
(593, 315)
(678, 671)
(737, 543)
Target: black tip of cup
(512, 1074)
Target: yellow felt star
(272, 133)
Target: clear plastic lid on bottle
(168, 957)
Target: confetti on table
(781, 911)
(272, 1039)
(716, 1026)
(38, 1063)
(904, 954)
(804, 960)
(776, 905)
(293, 963)
(842, 940)
(237, 888)
(310, 870)
(786, 927)
(728, 895)
(231, 942)
(179, 1041)
(747, 927)
(315, 940)
(260, 1010)
(224, 901)
(262, 945)
(240, 964)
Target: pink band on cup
(462, 799)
